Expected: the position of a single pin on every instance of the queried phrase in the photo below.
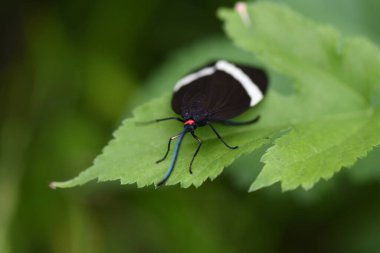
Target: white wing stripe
(251, 88)
(194, 76)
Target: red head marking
(189, 122)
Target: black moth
(214, 94)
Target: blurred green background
(70, 71)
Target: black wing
(218, 96)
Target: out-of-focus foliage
(54, 120)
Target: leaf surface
(336, 119)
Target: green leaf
(335, 119)
(131, 156)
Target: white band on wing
(194, 76)
(250, 87)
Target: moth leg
(221, 139)
(159, 120)
(169, 118)
(196, 151)
(237, 123)
(167, 151)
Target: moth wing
(219, 95)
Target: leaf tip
(67, 184)
(222, 13)
(254, 187)
(53, 185)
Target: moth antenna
(175, 155)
